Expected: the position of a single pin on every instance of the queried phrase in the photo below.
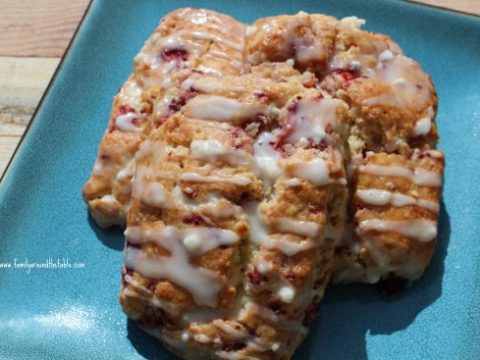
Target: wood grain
(23, 82)
(466, 6)
(38, 27)
(7, 146)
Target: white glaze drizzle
(410, 86)
(220, 108)
(316, 171)
(419, 229)
(201, 240)
(203, 284)
(267, 157)
(286, 294)
(297, 227)
(311, 118)
(209, 84)
(124, 122)
(202, 338)
(220, 54)
(130, 93)
(172, 42)
(293, 182)
(259, 235)
(216, 38)
(197, 240)
(160, 73)
(384, 197)
(285, 244)
(307, 50)
(194, 177)
(214, 150)
(161, 107)
(435, 154)
(99, 168)
(352, 22)
(386, 55)
(424, 125)
(154, 194)
(418, 176)
(109, 200)
(263, 267)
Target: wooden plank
(38, 27)
(23, 82)
(467, 6)
(8, 145)
(11, 130)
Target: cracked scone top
(248, 181)
(168, 57)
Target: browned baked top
(254, 161)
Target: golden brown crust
(308, 39)
(392, 110)
(381, 253)
(239, 195)
(273, 275)
(170, 55)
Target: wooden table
(33, 37)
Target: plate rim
(10, 170)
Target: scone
(395, 210)
(186, 41)
(393, 106)
(234, 217)
(255, 163)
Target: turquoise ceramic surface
(74, 313)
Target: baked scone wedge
(395, 213)
(186, 41)
(234, 220)
(392, 104)
(393, 123)
(305, 39)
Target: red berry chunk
(125, 109)
(174, 55)
(193, 218)
(347, 75)
(277, 308)
(255, 277)
(176, 104)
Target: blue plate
(72, 311)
